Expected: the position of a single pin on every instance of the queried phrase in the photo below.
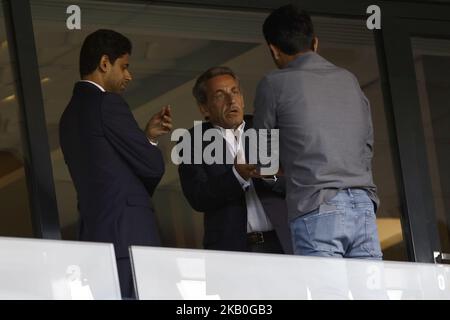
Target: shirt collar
(95, 84)
(300, 59)
(238, 130)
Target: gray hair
(199, 90)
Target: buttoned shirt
(256, 216)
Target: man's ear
(104, 64)
(204, 110)
(315, 44)
(275, 51)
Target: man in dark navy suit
(115, 166)
(242, 210)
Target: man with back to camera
(114, 165)
(326, 142)
(240, 213)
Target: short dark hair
(99, 43)
(199, 90)
(290, 29)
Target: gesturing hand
(159, 124)
(246, 171)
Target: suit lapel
(216, 167)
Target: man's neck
(234, 128)
(289, 58)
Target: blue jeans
(344, 226)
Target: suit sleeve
(278, 187)
(205, 192)
(122, 131)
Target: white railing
(164, 273)
(51, 269)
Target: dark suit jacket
(214, 190)
(114, 168)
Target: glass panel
(169, 51)
(181, 274)
(432, 63)
(48, 269)
(15, 216)
(171, 47)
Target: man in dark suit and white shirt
(326, 142)
(115, 166)
(240, 213)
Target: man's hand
(246, 171)
(253, 172)
(159, 124)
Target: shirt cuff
(244, 184)
(271, 179)
(153, 143)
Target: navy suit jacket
(215, 190)
(114, 168)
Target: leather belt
(259, 237)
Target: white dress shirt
(103, 90)
(256, 216)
